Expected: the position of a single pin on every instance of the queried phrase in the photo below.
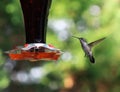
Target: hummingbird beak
(75, 37)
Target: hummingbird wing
(96, 42)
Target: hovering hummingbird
(88, 46)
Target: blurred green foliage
(73, 72)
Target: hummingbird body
(87, 49)
(88, 46)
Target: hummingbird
(88, 46)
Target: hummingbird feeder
(35, 13)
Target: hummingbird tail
(92, 60)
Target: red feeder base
(35, 52)
(31, 56)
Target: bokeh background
(91, 19)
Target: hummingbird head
(80, 38)
(83, 39)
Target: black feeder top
(35, 14)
